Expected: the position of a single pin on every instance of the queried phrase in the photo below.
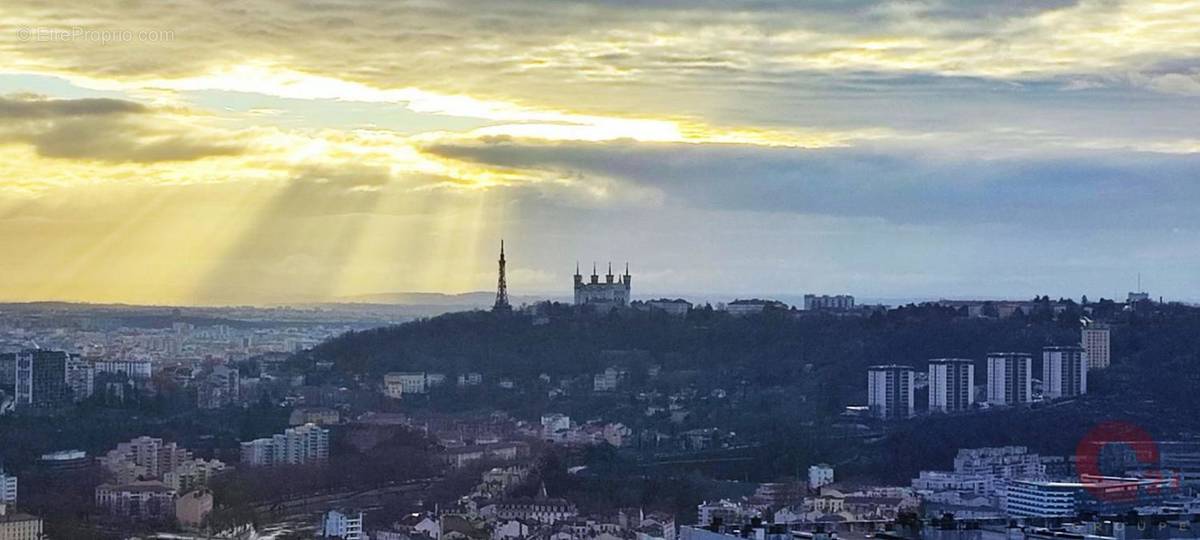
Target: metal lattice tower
(502, 286)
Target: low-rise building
(346, 525)
(8, 488)
(555, 423)
(819, 475)
(314, 415)
(397, 384)
(148, 500)
(677, 307)
(939, 481)
(500, 451)
(724, 511)
(742, 308)
(18, 526)
(192, 474)
(607, 380)
(544, 510)
(193, 508)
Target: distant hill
(467, 300)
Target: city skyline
(274, 153)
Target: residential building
(541, 509)
(141, 369)
(742, 308)
(819, 475)
(607, 380)
(500, 451)
(999, 465)
(300, 445)
(218, 386)
(193, 508)
(1064, 372)
(890, 391)
(8, 488)
(951, 384)
(343, 524)
(192, 474)
(8, 371)
(1135, 297)
(80, 377)
(18, 526)
(145, 500)
(554, 423)
(841, 302)
(41, 379)
(314, 415)
(510, 529)
(64, 461)
(144, 458)
(1009, 378)
(397, 384)
(1095, 338)
(962, 482)
(678, 306)
(603, 296)
(723, 511)
(470, 379)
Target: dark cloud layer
(108, 130)
(31, 106)
(1084, 189)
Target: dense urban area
(601, 417)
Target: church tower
(613, 292)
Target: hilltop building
(826, 302)
(612, 293)
(1095, 339)
(677, 306)
(743, 307)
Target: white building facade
(1064, 372)
(611, 293)
(1096, 342)
(301, 445)
(819, 475)
(1010, 378)
(951, 384)
(8, 489)
(890, 391)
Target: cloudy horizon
(194, 152)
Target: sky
(256, 152)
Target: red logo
(1151, 478)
